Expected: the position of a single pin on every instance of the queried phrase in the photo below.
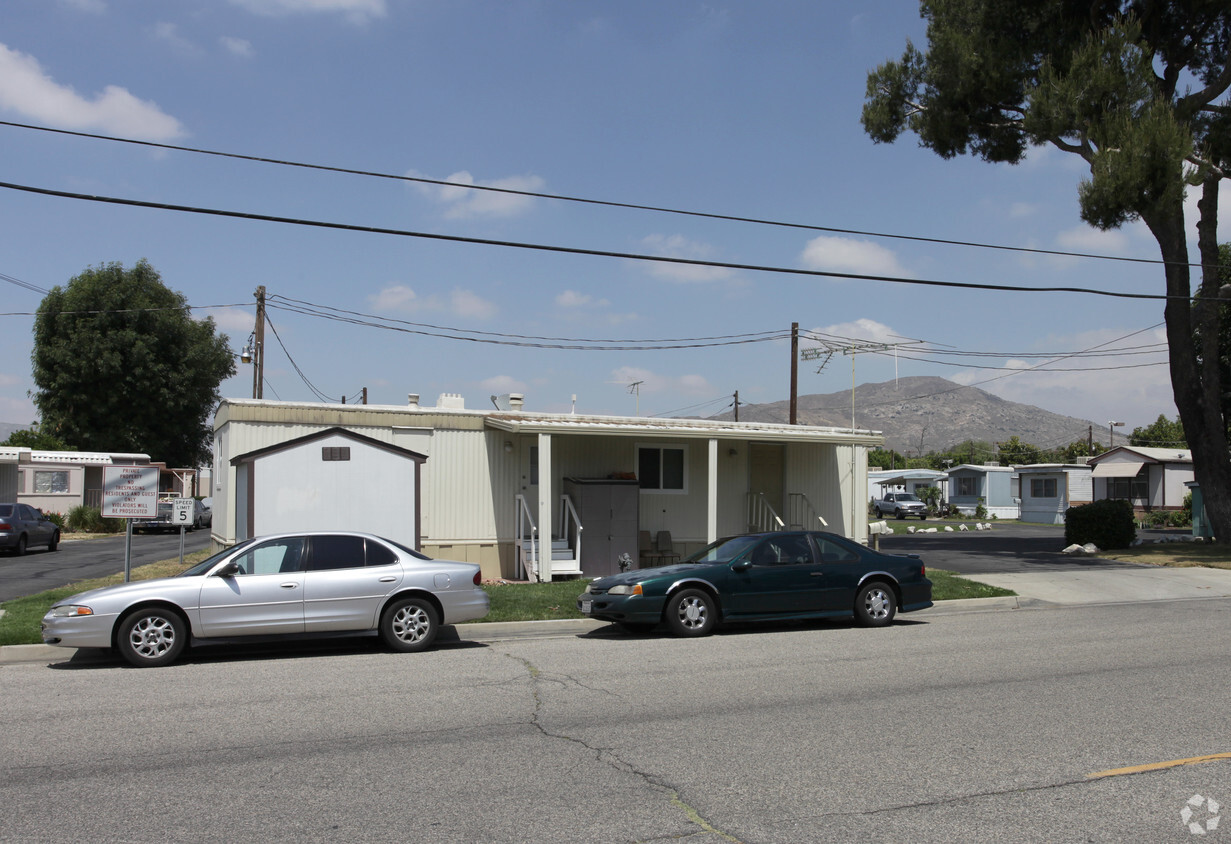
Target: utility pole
(794, 372)
(737, 405)
(365, 395)
(258, 347)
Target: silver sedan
(313, 583)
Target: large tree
(121, 365)
(1136, 88)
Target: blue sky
(739, 109)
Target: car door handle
(388, 579)
(289, 585)
(816, 573)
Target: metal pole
(128, 550)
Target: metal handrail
(524, 516)
(568, 516)
(801, 506)
(761, 514)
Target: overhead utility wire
(769, 335)
(600, 202)
(303, 377)
(571, 250)
(27, 285)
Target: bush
(85, 519)
(981, 510)
(56, 519)
(1108, 524)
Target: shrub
(980, 509)
(1108, 524)
(56, 519)
(86, 519)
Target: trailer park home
(484, 486)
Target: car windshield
(205, 565)
(906, 496)
(724, 550)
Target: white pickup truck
(900, 505)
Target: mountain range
(921, 414)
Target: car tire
(151, 637)
(875, 605)
(691, 612)
(54, 542)
(898, 514)
(879, 514)
(923, 517)
(409, 625)
(20, 549)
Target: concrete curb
(497, 631)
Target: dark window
(661, 468)
(336, 552)
(335, 452)
(1042, 487)
(832, 552)
(787, 549)
(966, 486)
(379, 555)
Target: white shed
(1048, 489)
(314, 482)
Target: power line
(586, 201)
(571, 250)
(303, 377)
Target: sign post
(183, 513)
(130, 492)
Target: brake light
(477, 579)
(5, 526)
(923, 570)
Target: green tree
(121, 365)
(1136, 88)
(35, 439)
(1161, 433)
(1014, 452)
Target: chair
(664, 547)
(645, 548)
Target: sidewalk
(1036, 590)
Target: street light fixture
(1111, 429)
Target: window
(337, 552)
(379, 555)
(276, 557)
(832, 552)
(50, 482)
(335, 453)
(966, 486)
(786, 549)
(1042, 487)
(662, 468)
(1130, 489)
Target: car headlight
(70, 611)
(624, 589)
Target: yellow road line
(1157, 766)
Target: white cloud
(573, 299)
(168, 33)
(652, 382)
(26, 89)
(466, 202)
(1099, 392)
(237, 46)
(233, 321)
(845, 255)
(503, 384)
(395, 298)
(466, 303)
(678, 246)
(1090, 239)
(1018, 210)
(861, 330)
(358, 11)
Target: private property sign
(130, 492)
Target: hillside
(927, 414)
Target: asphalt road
(944, 727)
(76, 560)
(1003, 549)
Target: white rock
(948, 529)
(962, 527)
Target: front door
(264, 596)
(766, 473)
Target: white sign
(130, 492)
(182, 511)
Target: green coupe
(760, 577)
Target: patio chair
(665, 548)
(645, 548)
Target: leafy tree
(1161, 433)
(1014, 452)
(35, 439)
(1136, 88)
(121, 365)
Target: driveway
(1027, 559)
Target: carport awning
(1123, 469)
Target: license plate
(586, 607)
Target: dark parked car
(760, 577)
(23, 526)
(308, 583)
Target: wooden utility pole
(737, 405)
(794, 373)
(258, 347)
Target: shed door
(766, 472)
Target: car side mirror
(229, 570)
(741, 565)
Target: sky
(733, 112)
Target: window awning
(1119, 469)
